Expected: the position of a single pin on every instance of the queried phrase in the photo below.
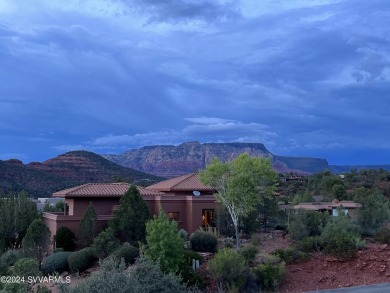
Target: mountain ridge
(65, 171)
(171, 161)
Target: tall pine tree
(17, 212)
(37, 240)
(130, 218)
(87, 228)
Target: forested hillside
(64, 171)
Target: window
(208, 218)
(174, 216)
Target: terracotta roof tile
(102, 190)
(187, 182)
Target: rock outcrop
(171, 161)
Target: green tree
(130, 219)
(87, 228)
(303, 196)
(240, 185)
(306, 223)
(58, 207)
(105, 243)
(37, 240)
(65, 239)
(339, 192)
(328, 181)
(268, 209)
(224, 222)
(374, 212)
(17, 212)
(164, 244)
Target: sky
(303, 77)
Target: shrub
(105, 243)
(203, 242)
(126, 251)
(360, 243)
(15, 288)
(143, 277)
(341, 245)
(248, 253)
(42, 289)
(58, 250)
(3, 269)
(190, 255)
(56, 262)
(306, 223)
(271, 273)
(65, 239)
(340, 237)
(227, 242)
(190, 277)
(228, 268)
(383, 235)
(80, 260)
(341, 224)
(311, 244)
(183, 234)
(256, 239)
(25, 267)
(9, 257)
(290, 255)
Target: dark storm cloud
(184, 10)
(299, 76)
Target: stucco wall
(102, 206)
(189, 207)
(54, 221)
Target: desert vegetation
(153, 254)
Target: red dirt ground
(321, 271)
(371, 266)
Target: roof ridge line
(79, 187)
(185, 178)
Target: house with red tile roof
(185, 199)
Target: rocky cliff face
(170, 161)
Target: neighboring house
(350, 207)
(185, 199)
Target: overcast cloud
(304, 77)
